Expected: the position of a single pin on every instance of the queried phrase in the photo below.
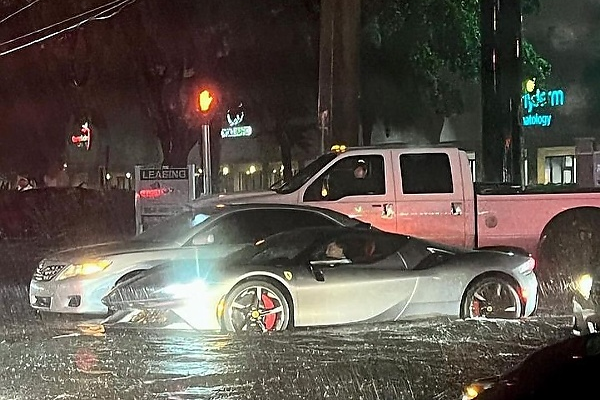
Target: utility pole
(339, 80)
(501, 78)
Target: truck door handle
(456, 208)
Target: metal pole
(206, 170)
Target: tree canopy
(155, 55)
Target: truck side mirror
(325, 187)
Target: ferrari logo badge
(287, 275)
(358, 209)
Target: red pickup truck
(429, 193)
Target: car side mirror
(325, 187)
(203, 239)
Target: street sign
(161, 192)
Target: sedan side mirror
(203, 239)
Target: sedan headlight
(583, 285)
(83, 269)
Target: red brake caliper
(475, 308)
(270, 319)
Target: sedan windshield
(173, 229)
(283, 187)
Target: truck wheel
(491, 297)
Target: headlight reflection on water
(189, 364)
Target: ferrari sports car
(329, 276)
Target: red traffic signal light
(205, 100)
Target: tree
(270, 66)
(419, 53)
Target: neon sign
(235, 129)
(535, 99)
(84, 138)
(154, 193)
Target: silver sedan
(74, 281)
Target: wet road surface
(59, 359)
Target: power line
(115, 9)
(18, 11)
(60, 23)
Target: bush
(66, 213)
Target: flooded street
(57, 359)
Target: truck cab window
(350, 176)
(426, 173)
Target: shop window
(560, 170)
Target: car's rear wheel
(492, 297)
(256, 306)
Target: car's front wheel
(256, 306)
(491, 297)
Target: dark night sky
(567, 33)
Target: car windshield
(172, 229)
(282, 247)
(296, 181)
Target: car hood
(266, 196)
(107, 249)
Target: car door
(369, 198)
(430, 201)
(344, 291)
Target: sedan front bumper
(71, 296)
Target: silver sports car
(331, 276)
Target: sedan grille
(46, 272)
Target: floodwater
(433, 359)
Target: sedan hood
(266, 196)
(106, 249)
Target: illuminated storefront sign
(84, 139)
(536, 103)
(236, 129)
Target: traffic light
(205, 100)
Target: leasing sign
(161, 192)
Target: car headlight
(584, 285)
(473, 390)
(184, 290)
(83, 269)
